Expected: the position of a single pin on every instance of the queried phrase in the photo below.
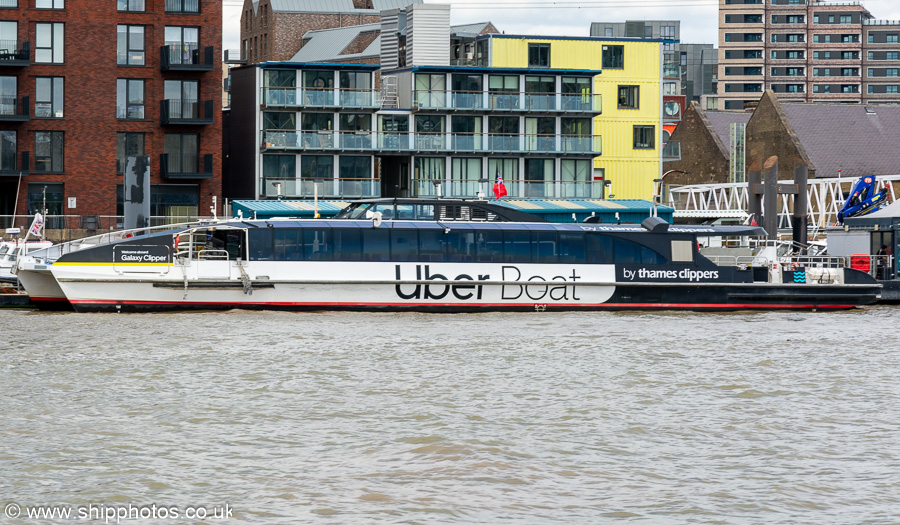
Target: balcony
(186, 57)
(173, 172)
(431, 100)
(186, 112)
(295, 97)
(8, 167)
(14, 110)
(407, 142)
(14, 55)
(328, 188)
(522, 189)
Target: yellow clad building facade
(630, 85)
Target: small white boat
(10, 251)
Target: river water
(481, 418)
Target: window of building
(753, 37)
(575, 178)
(670, 88)
(644, 137)
(629, 97)
(127, 145)
(183, 98)
(608, 31)
(429, 168)
(133, 5)
(890, 89)
(48, 151)
(464, 176)
(613, 57)
(8, 150)
(184, 6)
(891, 39)
(50, 43)
(43, 196)
(538, 55)
(279, 166)
(50, 4)
(504, 91)
(540, 175)
(794, 55)
(892, 55)
(354, 167)
(129, 98)
(183, 44)
(9, 96)
(846, 19)
(317, 166)
(48, 97)
(130, 45)
(182, 152)
(667, 32)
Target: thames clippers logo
(646, 274)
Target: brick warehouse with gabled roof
(85, 83)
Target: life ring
(795, 265)
(129, 235)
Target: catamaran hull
(42, 288)
(436, 288)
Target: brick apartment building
(273, 30)
(806, 51)
(73, 106)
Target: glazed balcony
(13, 54)
(431, 100)
(186, 57)
(522, 189)
(327, 188)
(406, 142)
(299, 97)
(185, 112)
(15, 110)
(170, 168)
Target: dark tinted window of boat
(599, 249)
(460, 246)
(376, 244)
(544, 247)
(431, 245)
(404, 245)
(288, 244)
(317, 244)
(347, 244)
(490, 246)
(261, 244)
(517, 246)
(628, 252)
(649, 256)
(571, 248)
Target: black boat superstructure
(452, 256)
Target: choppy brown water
(411, 418)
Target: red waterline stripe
(548, 305)
(50, 299)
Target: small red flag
(499, 188)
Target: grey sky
(699, 21)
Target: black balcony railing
(186, 57)
(15, 54)
(186, 112)
(8, 165)
(14, 110)
(174, 171)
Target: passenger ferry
(11, 251)
(447, 256)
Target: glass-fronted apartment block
(323, 129)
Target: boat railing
(812, 261)
(208, 254)
(741, 261)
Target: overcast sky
(699, 21)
